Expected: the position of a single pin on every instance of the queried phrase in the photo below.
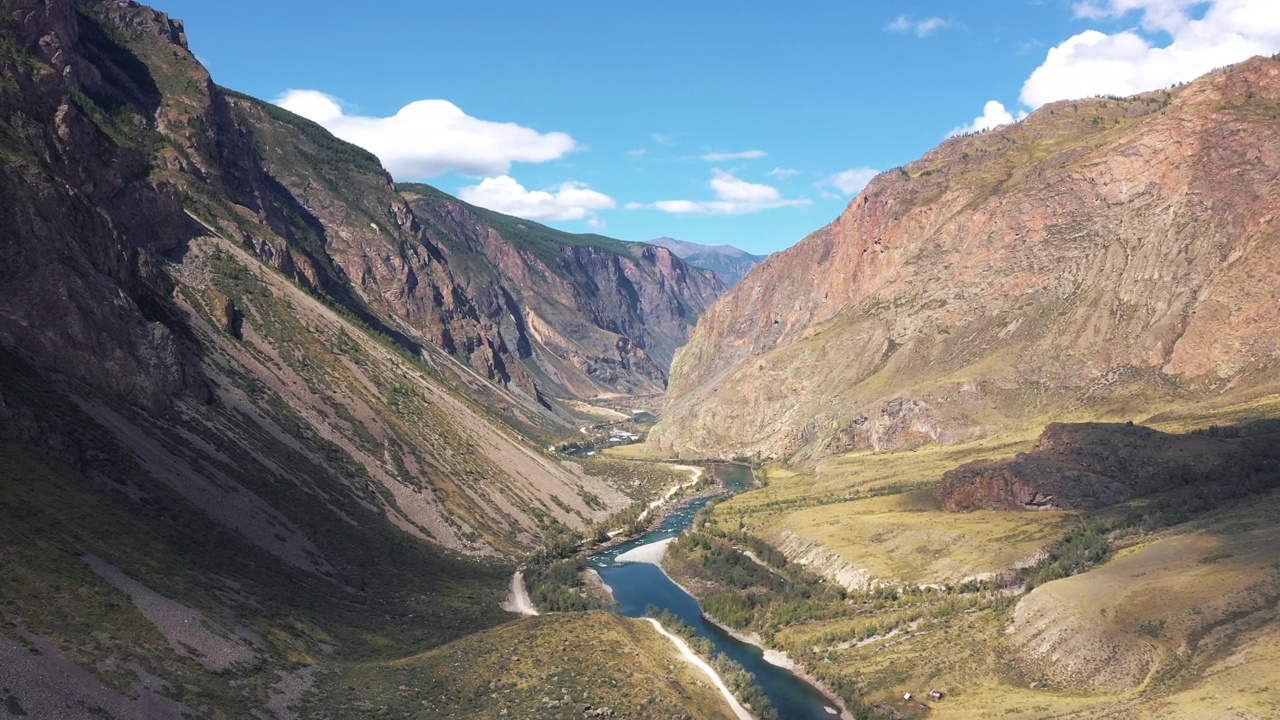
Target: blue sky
(745, 122)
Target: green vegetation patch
(543, 667)
(548, 245)
(389, 594)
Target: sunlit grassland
(866, 473)
(1182, 623)
(877, 513)
(907, 538)
(597, 658)
(1177, 621)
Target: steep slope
(1090, 466)
(126, 277)
(1102, 258)
(583, 314)
(140, 140)
(726, 261)
(245, 436)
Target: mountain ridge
(253, 428)
(728, 262)
(1004, 277)
(590, 315)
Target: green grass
(1190, 570)
(546, 243)
(597, 658)
(330, 153)
(391, 594)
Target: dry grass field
(1179, 620)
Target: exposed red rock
(1102, 258)
(1086, 466)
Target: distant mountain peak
(726, 261)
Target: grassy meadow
(1163, 606)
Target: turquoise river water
(638, 585)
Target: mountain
(727, 261)
(256, 427)
(1103, 258)
(585, 314)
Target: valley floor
(1160, 607)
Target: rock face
(247, 405)
(202, 264)
(84, 227)
(728, 262)
(1083, 467)
(119, 148)
(583, 314)
(184, 261)
(1104, 256)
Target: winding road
(518, 599)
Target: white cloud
(993, 115)
(922, 27)
(428, 137)
(1094, 63)
(734, 196)
(783, 173)
(567, 201)
(636, 153)
(849, 182)
(662, 138)
(744, 155)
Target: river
(637, 585)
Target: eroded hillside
(253, 424)
(1101, 258)
(586, 314)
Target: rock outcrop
(249, 413)
(584, 314)
(1103, 257)
(1084, 467)
(135, 196)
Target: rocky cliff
(1089, 466)
(251, 418)
(186, 261)
(1101, 258)
(584, 314)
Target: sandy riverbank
(771, 656)
(651, 553)
(778, 658)
(693, 659)
(695, 474)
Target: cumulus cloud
(783, 173)
(744, 155)
(734, 196)
(849, 182)
(567, 201)
(993, 115)
(1095, 63)
(428, 137)
(922, 27)
(639, 152)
